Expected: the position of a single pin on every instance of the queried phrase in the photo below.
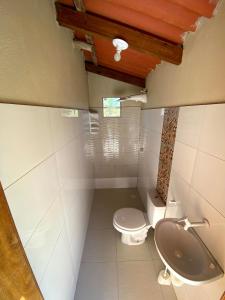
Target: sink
(184, 253)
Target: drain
(178, 254)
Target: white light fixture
(120, 45)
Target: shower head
(142, 97)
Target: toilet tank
(155, 207)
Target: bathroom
(74, 159)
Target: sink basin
(184, 253)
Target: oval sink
(184, 253)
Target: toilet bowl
(133, 224)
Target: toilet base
(133, 239)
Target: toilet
(133, 224)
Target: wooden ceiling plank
(139, 40)
(114, 74)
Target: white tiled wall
(116, 149)
(198, 183)
(47, 173)
(150, 142)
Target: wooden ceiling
(154, 30)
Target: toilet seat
(129, 219)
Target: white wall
(116, 145)
(198, 183)
(200, 77)
(47, 175)
(37, 63)
(116, 149)
(150, 142)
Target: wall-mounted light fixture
(120, 45)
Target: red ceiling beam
(137, 39)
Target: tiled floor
(111, 270)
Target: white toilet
(134, 223)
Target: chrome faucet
(187, 224)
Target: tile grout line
(38, 164)
(191, 187)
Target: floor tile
(151, 242)
(137, 280)
(111, 270)
(167, 291)
(100, 246)
(107, 201)
(97, 281)
(113, 199)
(101, 219)
(131, 253)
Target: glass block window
(111, 107)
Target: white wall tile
(76, 209)
(212, 136)
(198, 209)
(190, 124)
(43, 241)
(58, 281)
(179, 191)
(209, 178)
(183, 160)
(31, 196)
(25, 140)
(116, 147)
(153, 119)
(150, 141)
(154, 142)
(69, 170)
(65, 177)
(116, 182)
(197, 183)
(63, 128)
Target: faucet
(187, 224)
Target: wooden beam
(89, 40)
(104, 71)
(17, 280)
(80, 6)
(223, 296)
(137, 39)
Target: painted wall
(150, 142)
(46, 169)
(200, 77)
(197, 184)
(38, 64)
(100, 86)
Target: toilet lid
(130, 218)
